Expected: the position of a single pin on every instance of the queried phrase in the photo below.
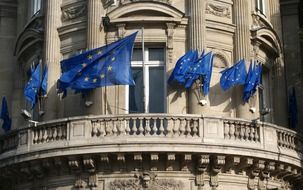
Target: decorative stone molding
(220, 60)
(121, 30)
(74, 11)
(130, 1)
(148, 181)
(218, 10)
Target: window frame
(149, 64)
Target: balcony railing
(193, 131)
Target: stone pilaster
(95, 38)
(52, 55)
(197, 33)
(241, 50)
(275, 16)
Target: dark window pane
(156, 54)
(136, 92)
(137, 54)
(156, 90)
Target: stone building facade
(109, 140)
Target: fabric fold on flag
(104, 66)
(202, 68)
(253, 80)
(182, 66)
(7, 122)
(32, 88)
(235, 75)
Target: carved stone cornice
(218, 10)
(73, 11)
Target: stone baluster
(141, 129)
(196, 128)
(127, 127)
(161, 127)
(134, 127)
(52, 56)
(115, 128)
(182, 127)
(232, 131)
(188, 127)
(226, 130)
(95, 38)
(177, 123)
(242, 49)
(197, 33)
(95, 126)
(147, 126)
(154, 129)
(169, 126)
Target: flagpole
(145, 104)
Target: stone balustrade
(152, 133)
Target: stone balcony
(223, 142)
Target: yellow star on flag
(89, 57)
(99, 52)
(95, 80)
(113, 59)
(84, 65)
(109, 68)
(86, 79)
(102, 76)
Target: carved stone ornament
(146, 181)
(73, 12)
(217, 10)
(162, 1)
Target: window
(35, 6)
(264, 95)
(260, 6)
(154, 73)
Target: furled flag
(235, 75)
(7, 122)
(44, 81)
(202, 68)
(292, 109)
(33, 86)
(182, 66)
(253, 80)
(104, 66)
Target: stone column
(275, 16)
(95, 38)
(241, 50)
(197, 31)
(52, 55)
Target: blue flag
(292, 109)
(202, 69)
(7, 122)
(253, 80)
(104, 66)
(33, 86)
(235, 75)
(44, 81)
(182, 66)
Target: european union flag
(235, 75)
(7, 122)
(292, 109)
(33, 86)
(44, 81)
(182, 66)
(202, 68)
(253, 80)
(104, 66)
